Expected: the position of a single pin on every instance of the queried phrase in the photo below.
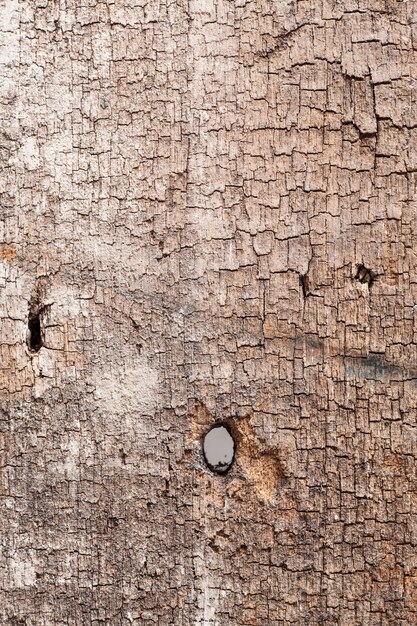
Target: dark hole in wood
(123, 456)
(365, 276)
(305, 285)
(219, 449)
(112, 522)
(35, 332)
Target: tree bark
(208, 214)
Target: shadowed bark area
(208, 216)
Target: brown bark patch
(8, 253)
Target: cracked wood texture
(208, 211)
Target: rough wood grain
(210, 207)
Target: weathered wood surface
(189, 191)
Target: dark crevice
(35, 338)
(305, 285)
(280, 41)
(35, 333)
(123, 456)
(112, 522)
(365, 276)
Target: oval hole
(219, 449)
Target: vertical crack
(35, 338)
